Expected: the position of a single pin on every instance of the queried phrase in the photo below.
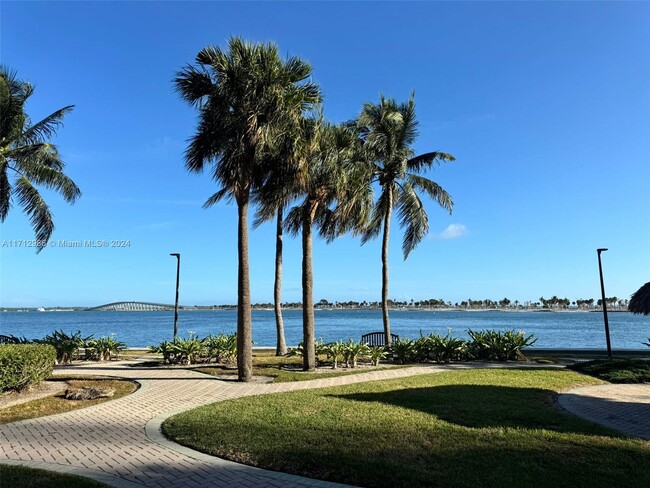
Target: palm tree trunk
(244, 323)
(384, 268)
(309, 353)
(281, 347)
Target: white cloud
(454, 231)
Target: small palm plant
(335, 352)
(67, 345)
(188, 350)
(354, 351)
(166, 348)
(105, 348)
(376, 354)
(403, 350)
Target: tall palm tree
(247, 96)
(26, 152)
(388, 131)
(333, 196)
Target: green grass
(21, 477)
(616, 370)
(457, 429)
(58, 404)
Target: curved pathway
(625, 408)
(119, 442)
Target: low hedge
(23, 365)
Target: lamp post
(604, 302)
(178, 274)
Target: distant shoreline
(329, 309)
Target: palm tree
(640, 300)
(25, 150)
(247, 96)
(333, 196)
(388, 131)
(272, 198)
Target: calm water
(139, 329)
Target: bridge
(132, 307)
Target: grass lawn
(457, 429)
(616, 370)
(58, 404)
(283, 369)
(21, 477)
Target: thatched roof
(640, 301)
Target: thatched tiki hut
(640, 301)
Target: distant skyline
(546, 107)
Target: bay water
(561, 330)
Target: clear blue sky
(546, 107)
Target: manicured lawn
(57, 404)
(21, 477)
(457, 429)
(617, 370)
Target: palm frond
(412, 216)
(217, 197)
(374, 226)
(193, 84)
(36, 209)
(428, 160)
(293, 220)
(432, 189)
(5, 193)
(45, 129)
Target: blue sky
(546, 107)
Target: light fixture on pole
(178, 274)
(604, 302)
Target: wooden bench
(377, 339)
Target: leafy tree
(26, 152)
(388, 131)
(246, 96)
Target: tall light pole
(178, 275)
(604, 302)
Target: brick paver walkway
(119, 442)
(625, 408)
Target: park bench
(377, 339)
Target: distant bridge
(132, 307)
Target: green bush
(23, 365)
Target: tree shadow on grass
(485, 406)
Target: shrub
(222, 347)
(376, 354)
(335, 351)
(353, 351)
(104, 348)
(23, 365)
(494, 345)
(403, 350)
(67, 346)
(188, 350)
(167, 350)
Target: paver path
(625, 408)
(119, 442)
